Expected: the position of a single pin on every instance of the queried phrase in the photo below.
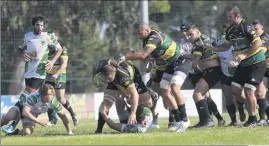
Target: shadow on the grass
(76, 134)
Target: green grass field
(84, 135)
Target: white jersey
(225, 58)
(38, 107)
(37, 45)
(186, 47)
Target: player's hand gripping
(132, 119)
(49, 65)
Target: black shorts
(267, 72)
(181, 64)
(18, 104)
(157, 77)
(252, 74)
(226, 80)
(212, 75)
(194, 78)
(34, 83)
(57, 85)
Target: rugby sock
(176, 115)
(212, 106)
(240, 106)
(267, 112)
(198, 112)
(69, 108)
(232, 112)
(202, 108)
(171, 117)
(252, 119)
(101, 123)
(262, 107)
(183, 114)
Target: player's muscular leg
(251, 100)
(60, 95)
(260, 91)
(200, 90)
(176, 90)
(12, 114)
(201, 104)
(122, 110)
(237, 91)
(228, 95)
(169, 99)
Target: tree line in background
(94, 30)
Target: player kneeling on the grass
(144, 119)
(124, 79)
(36, 104)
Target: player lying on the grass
(144, 119)
(123, 79)
(36, 103)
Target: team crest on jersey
(249, 28)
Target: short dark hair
(45, 88)
(234, 9)
(184, 27)
(191, 26)
(257, 21)
(37, 18)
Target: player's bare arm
(218, 48)
(103, 110)
(131, 90)
(27, 113)
(61, 69)
(50, 63)
(139, 55)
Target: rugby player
(35, 48)
(248, 56)
(36, 104)
(226, 79)
(206, 64)
(261, 89)
(57, 78)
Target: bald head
(143, 30)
